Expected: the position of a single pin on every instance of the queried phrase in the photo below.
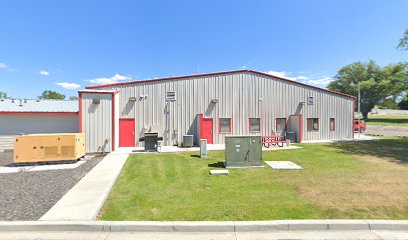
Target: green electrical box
(243, 151)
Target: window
(225, 125)
(170, 96)
(280, 126)
(254, 125)
(312, 124)
(332, 124)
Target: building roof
(38, 106)
(217, 73)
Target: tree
(3, 95)
(48, 94)
(377, 84)
(403, 105)
(73, 98)
(403, 43)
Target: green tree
(3, 95)
(48, 94)
(73, 98)
(403, 42)
(403, 104)
(377, 84)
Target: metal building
(20, 116)
(210, 106)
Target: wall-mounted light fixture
(132, 99)
(96, 101)
(214, 100)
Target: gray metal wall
(97, 122)
(31, 124)
(241, 96)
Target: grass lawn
(342, 180)
(388, 120)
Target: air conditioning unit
(188, 140)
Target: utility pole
(358, 111)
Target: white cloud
(3, 65)
(43, 73)
(116, 78)
(281, 74)
(311, 79)
(319, 82)
(69, 86)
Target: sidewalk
(85, 199)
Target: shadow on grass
(396, 149)
(216, 165)
(195, 155)
(388, 120)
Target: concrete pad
(41, 167)
(86, 198)
(283, 165)
(219, 172)
(388, 234)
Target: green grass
(388, 120)
(338, 181)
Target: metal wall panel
(31, 124)
(240, 96)
(97, 122)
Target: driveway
(29, 195)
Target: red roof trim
(217, 73)
(38, 113)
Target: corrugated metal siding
(31, 124)
(97, 122)
(241, 96)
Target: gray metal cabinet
(243, 151)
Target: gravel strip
(392, 131)
(29, 195)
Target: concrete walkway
(86, 198)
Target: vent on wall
(170, 96)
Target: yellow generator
(49, 147)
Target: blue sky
(67, 45)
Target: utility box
(49, 147)
(243, 151)
(203, 148)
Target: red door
(126, 132)
(206, 130)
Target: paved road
(390, 131)
(362, 234)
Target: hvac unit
(188, 140)
(49, 147)
(243, 151)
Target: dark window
(312, 124)
(254, 124)
(225, 125)
(332, 124)
(280, 126)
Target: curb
(239, 226)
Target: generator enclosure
(243, 151)
(49, 147)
